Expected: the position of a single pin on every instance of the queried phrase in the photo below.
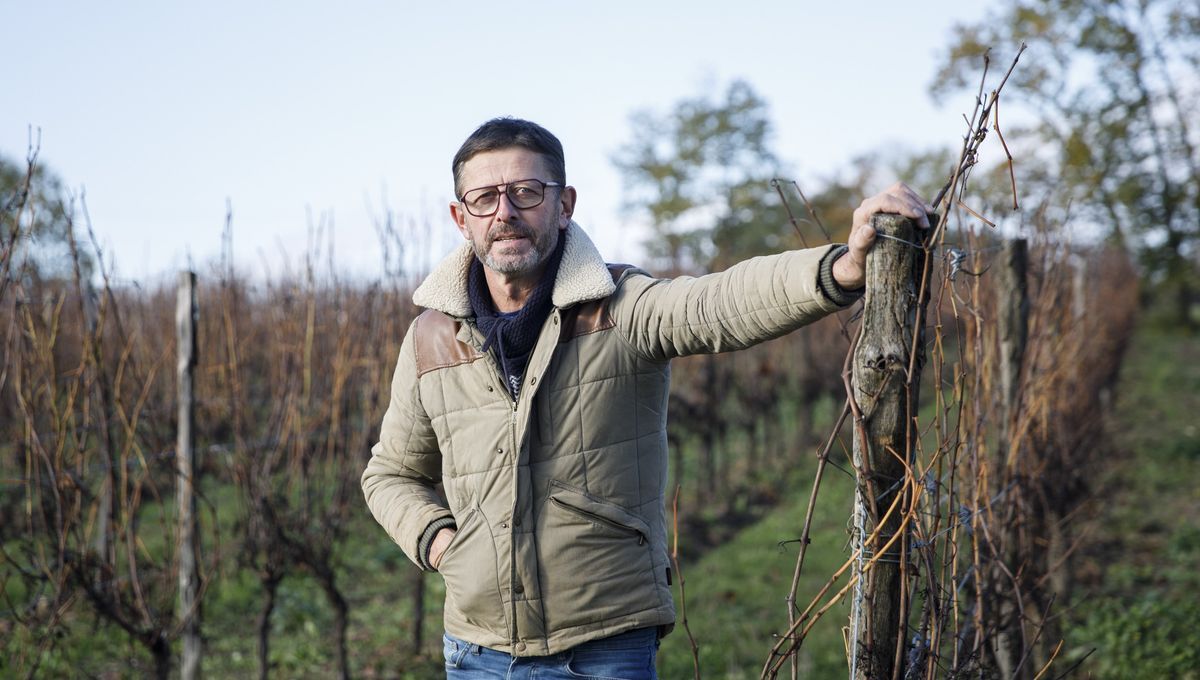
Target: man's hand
(439, 545)
(850, 270)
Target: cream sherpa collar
(582, 276)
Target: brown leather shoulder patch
(436, 343)
(592, 316)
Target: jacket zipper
(498, 373)
(502, 383)
(515, 449)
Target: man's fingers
(917, 208)
(899, 201)
(910, 206)
(911, 195)
(862, 238)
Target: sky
(299, 114)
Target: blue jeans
(628, 656)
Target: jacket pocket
(595, 560)
(461, 523)
(469, 569)
(601, 520)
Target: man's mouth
(508, 237)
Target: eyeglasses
(523, 194)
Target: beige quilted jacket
(558, 497)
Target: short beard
(527, 264)
(511, 267)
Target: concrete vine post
(186, 314)
(885, 375)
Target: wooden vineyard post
(418, 611)
(886, 374)
(186, 313)
(1013, 325)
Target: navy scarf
(513, 335)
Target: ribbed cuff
(829, 285)
(427, 537)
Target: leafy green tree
(1113, 87)
(36, 224)
(700, 174)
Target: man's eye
(523, 190)
(485, 197)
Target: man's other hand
(850, 270)
(439, 545)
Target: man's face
(512, 242)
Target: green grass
(735, 594)
(1138, 597)
(376, 579)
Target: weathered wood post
(1079, 288)
(186, 313)
(106, 512)
(886, 375)
(418, 614)
(1012, 325)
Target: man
(534, 388)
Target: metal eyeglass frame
(507, 186)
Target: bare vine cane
(909, 497)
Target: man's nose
(505, 210)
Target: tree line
(294, 370)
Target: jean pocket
(612, 664)
(453, 650)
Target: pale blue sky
(164, 110)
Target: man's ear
(459, 214)
(566, 202)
